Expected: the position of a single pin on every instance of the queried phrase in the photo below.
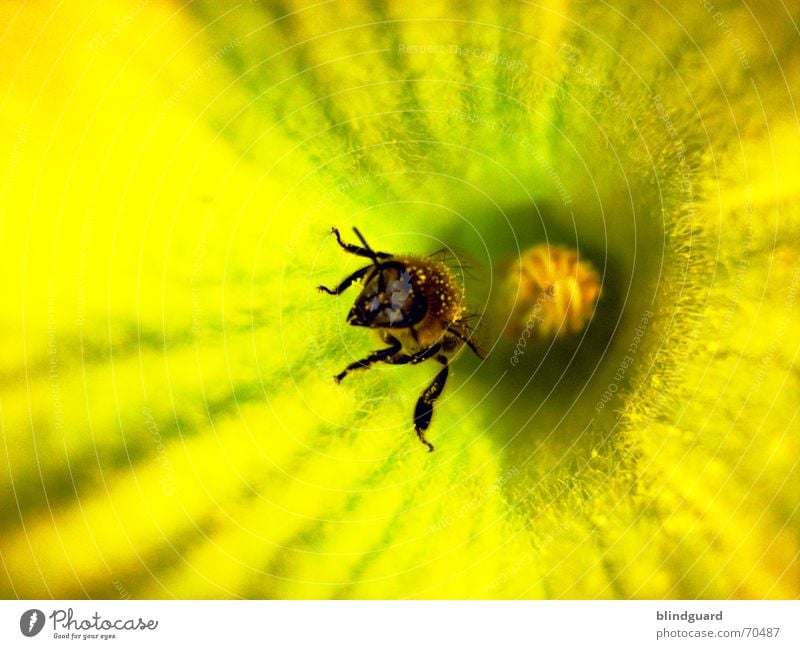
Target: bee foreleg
(424, 409)
(374, 357)
(346, 283)
(358, 250)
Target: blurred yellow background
(169, 178)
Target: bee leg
(467, 340)
(424, 409)
(358, 250)
(374, 357)
(346, 283)
(415, 359)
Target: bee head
(388, 299)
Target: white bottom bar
(372, 624)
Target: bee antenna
(369, 250)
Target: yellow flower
(170, 425)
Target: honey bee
(415, 305)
